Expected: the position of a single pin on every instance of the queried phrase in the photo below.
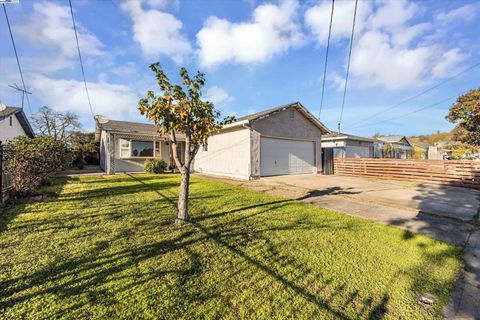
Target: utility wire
(80, 58)
(417, 95)
(326, 59)
(18, 60)
(348, 65)
(406, 114)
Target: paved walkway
(447, 213)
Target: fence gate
(327, 160)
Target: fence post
(1, 173)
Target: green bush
(31, 161)
(155, 166)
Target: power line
(348, 65)
(417, 95)
(326, 59)
(18, 60)
(406, 114)
(80, 58)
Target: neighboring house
(124, 146)
(13, 123)
(282, 140)
(278, 141)
(348, 146)
(420, 150)
(397, 147)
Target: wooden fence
(465, 173)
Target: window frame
(130, 156)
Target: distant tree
(179, 109)
(59, 126)
(82, 144)
(466, 114)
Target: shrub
(155, 166)
(31, 161)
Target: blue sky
(255, 54)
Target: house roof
(127, 126)
(7, 111)
(268, 112)
(334, 135)
(103, 123)
(393, 139)
(423, 145)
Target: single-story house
(124, 146)
(278, 141)
(346, 145)
(13, 123)
(420, 150)
(397, 147)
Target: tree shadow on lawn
(52, 189)
(98, 266)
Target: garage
(285, 156)
(285, 140)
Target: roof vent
(3, 106)
(101, 119)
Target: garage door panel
(282, 156)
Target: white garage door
(282, 156)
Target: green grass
(106, 247)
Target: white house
(13, 123)
(348, 146)
(278, 141)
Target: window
(157, 149)
(11, 121)
(141, 148)
(124, 148)
(205, 147)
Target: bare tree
(60, 126)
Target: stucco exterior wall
(8, 132)
(103, 151)
(228, 154)
(283, 125)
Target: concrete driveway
(444, 212)
(446, 201)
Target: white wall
(333, 144)
(228, 154)
(359, 152)
(8, 132)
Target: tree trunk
(182, 215)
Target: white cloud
(272, 30)
(377, 62)
(448, 62)
(336, 81)
(390, 49)
(157, 32)
(393, 14)
(317, 19)
(114, 100)
(465, 13)
(218, 96)
(128, 69)
(51, 26)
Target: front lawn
(106, 247)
